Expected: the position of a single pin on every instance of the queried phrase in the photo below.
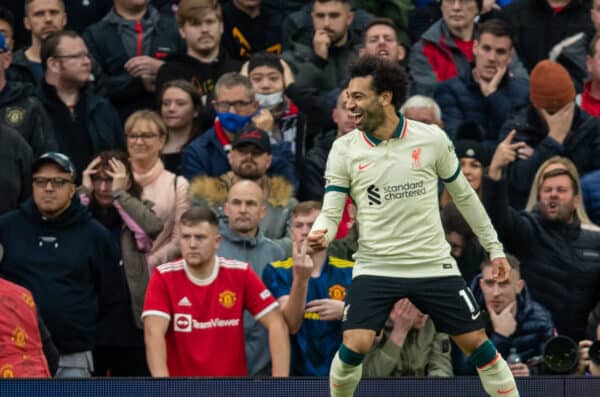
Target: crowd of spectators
(163, 163)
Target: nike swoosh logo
(505, 391)
(475, 316)
(361, 167)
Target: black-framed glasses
(42, 182)
(80, 55)
(238, 106)
(144, 136)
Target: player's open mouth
(357, 117)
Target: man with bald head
(242, 239)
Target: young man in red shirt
(194, 309)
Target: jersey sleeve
(277, 281)
(447, 164)
(258, 300)
(337, 188)
(157, 301)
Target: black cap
(57, 158)
(255, 136)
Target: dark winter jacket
(538, 28)
(21, 70)
(534, 328)
(206, 155)
(258, 251)
(462, 100)
(21, 109)
(559, 262)
(103, 40)
(63, 261)
(590, 189)
(582, 146)
(16, 159)
(312, 183)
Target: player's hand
(321, 43)
(505, 153)
(86, 179)
(504, 323)
(317, 240)
(264, 120)
(584, 357)
(500, 269)
(327, 309)
(520, 369)
(302, 263)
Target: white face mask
(269, 101)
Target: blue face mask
(232, 122)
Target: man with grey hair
(424, 109)
(236, 109)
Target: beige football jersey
(394, 184)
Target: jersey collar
(400, 132)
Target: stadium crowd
(165, 163)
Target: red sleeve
(157, 302)
(257, 298)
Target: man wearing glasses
(236, 107)
(84, 124)
(54, 248)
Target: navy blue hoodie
(63, 262)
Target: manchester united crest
(337, 292)
(227, 299)
(19, 337)
(6, 371)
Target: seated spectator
(554, 243)
(84, 123)
(129, 62)
(552, 124)
(250, 27)
(42, 18)
(180, 108)
(310, 287)
(114, 200)
(490, 94)
(200, 24)
(591, 195)
(207, 154)
(586, 366)
(410, 346)
(22, 342)
(209, 289)
(513, 318)
(54, 248)
(312, 183)
(590, 97)
(464, 247)
(323, 64)
(146, 135)
(249, 158)
(397, 12)
(15, 178)
(424, 109)
(21, 110)
(445, 49)
(279, 116)
(242, 239)
(381, 39)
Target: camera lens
(560, 355)
(594, 352)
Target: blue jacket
(590, 186)
(534, 328)
(64, 262)
(461, 100)
(206, 155)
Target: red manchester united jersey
(206, 332)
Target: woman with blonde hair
(555, 163)
(146, 135)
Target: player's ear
(385, 98)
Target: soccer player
(390, 166)
(194, 309)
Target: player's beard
(373, 117)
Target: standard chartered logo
(377, 195)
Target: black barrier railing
(296, 387)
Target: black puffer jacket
(559, 262)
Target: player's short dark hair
(196, 215)
(387, 76)
(265, 59)
(6, 15)
(497, 27)
(514, 263)
(377, 22)
(306, 207)
(51, 43)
